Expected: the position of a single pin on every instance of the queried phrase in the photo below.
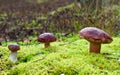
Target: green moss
(70, 57)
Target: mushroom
(96, 37)
(46, 38)
(13, 55)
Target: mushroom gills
(13, 56)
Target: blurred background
(21, 19)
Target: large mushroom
(96, 37)
(46, 38)
(13, 55)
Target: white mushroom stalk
(13, 56)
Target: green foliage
(55, 16)
(70, 56)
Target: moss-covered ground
(70, 56)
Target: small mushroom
(96, 37)
(46, 38)
(13, 55)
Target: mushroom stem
(95, 47)
(47, 44)
(13, 56)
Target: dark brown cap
(96, 35)
(46, 37)
(13, 47)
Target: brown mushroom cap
(96, 35)
(46, 37)
(14, 47)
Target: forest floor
(70, 56)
